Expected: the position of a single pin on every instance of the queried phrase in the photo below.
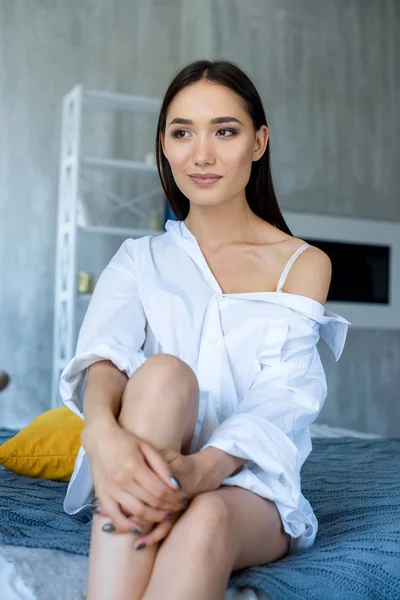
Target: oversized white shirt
(255, 356)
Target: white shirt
(260, 376)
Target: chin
(205, 201)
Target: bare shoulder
(310, 274)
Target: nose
(203, 150)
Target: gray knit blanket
(353, 486)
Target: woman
(196, 368)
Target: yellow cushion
(47, 447)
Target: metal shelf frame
(71, 170)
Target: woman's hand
(159, 532)
(130, 477)
(191, 471)
(188, 469)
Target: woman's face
(226, 148)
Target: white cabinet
(79, 227)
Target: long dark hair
(260, 192)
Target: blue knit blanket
(353, 486)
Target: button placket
(209, 362)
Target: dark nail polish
(137, 532)
(141, 546)
(168, 516)
(108, 527)
(96, 510)
(175, 482)
(185, 504)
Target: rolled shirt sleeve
(270, 428)
(113, 328)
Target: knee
(168, 368)
(207, 526)
(163, 372)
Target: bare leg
(195, 559)
(160, 404)
(223, 530)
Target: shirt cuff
(74, 376)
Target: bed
(351, 479)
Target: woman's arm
(216, 465)
(112, 333)
(102, 399)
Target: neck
(222, 225)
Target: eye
(175, 134)
(178, 131)
(232, 131)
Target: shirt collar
(333, 327)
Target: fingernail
(108, 527)
(185, 503)
(137, 532)
(140, 546)
(175, 482)
(168, 516)
(96, 510)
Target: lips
(205, 180)
(206, 176)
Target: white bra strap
(288, 265)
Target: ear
(262, 137)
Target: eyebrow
(215, 121)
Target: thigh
(257, 527)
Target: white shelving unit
(73, 167)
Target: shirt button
(212, 341)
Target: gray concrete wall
(329, 77)
(328, 74)
(47, 47)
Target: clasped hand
(134, 482)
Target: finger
(151, 492)
(134, 506)
(139, 485)
(160, 466)
(156, 535)
(168, 454)
(141, 528)
(111, 509)
(141, 481)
